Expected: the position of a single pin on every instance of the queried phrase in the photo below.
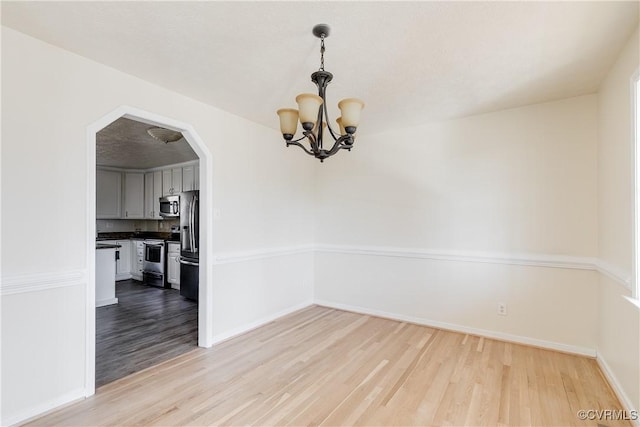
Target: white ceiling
(125, 143)
(411, 62)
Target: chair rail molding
(617, 274)
(536, 260)
(19, 284)
(263, 253)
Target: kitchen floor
(148, 325)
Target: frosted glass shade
(350, 109)
(339, 122)
(308, 105)
(324, 125)
(288, 120)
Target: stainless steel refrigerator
(189, 244)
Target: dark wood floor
(148, 325)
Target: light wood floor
(321, 366)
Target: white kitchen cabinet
(173, 265)
(133, 195)
(105, 277)
(152, 194)
(108, 194)
(123, 265)
(123, 258)
(137, 259)
(190, 178)
(171, 181)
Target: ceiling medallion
(312, 109)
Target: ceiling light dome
(164, 135)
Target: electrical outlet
(502, 309)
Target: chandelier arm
(299, 139)
(333, 135)
(313, 140)
(301, 146)
(340, 143)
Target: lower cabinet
(173, 265)
(123, 258)
(137, 259)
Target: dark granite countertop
(127, 235)
(106, 246)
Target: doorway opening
(151, 284)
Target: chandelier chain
(322, 52)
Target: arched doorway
(205, 301)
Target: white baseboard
(627, 405)
(44, 408)
(104, 302)
(565, 348)
(217, 339)
(123, 276)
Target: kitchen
(147, 233)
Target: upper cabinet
(133, 195)
(108, 194)
(190, 175)
(171, 181)
(152, 194)
(123, 194)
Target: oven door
(153, 257)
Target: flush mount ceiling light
(164, 135)
(312, 109)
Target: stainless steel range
(153, 264)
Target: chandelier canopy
(312, 111)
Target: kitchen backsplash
(122, 225)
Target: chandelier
(312, 111)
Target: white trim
(627, 405)
(105, 302)
(635, 185)
(620, 276)
(632, 300)
(566, 348)
(41, 282)
(153, 169)
(536, 260)
(217, 339)
(257, 254)
(43, 408)
(173, 165)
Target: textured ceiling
(126, 144)
(411, 62)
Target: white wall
(432, 223)
(619, 320)
(49, 97)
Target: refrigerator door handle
(193, 223)
(185, 262)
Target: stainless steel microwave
(170, 206)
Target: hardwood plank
(322, 366)
(148, 326)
